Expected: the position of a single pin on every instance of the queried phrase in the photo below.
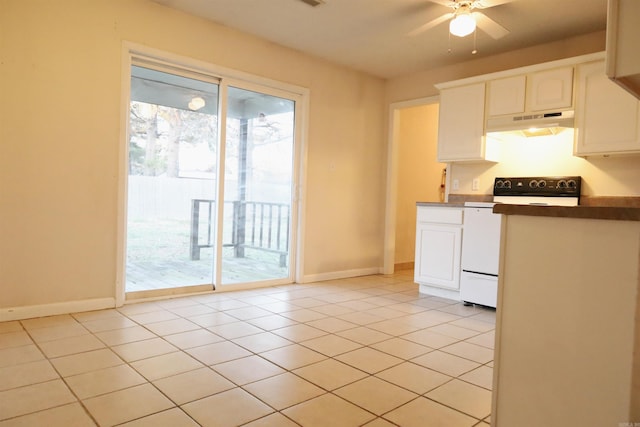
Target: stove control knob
(572, 184)
(562, 184)
(533, 184)
(542, 183)
(507, 184)
(499, 184)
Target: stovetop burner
(555, 190)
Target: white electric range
(481, 229)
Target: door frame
(392, 178)
(243, 80)
(298, 100)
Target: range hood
(533, 124)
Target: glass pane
(171, 184)
(257, 190)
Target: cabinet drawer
(440, 215)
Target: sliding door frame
(225, 83)
(133, 53)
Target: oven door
(481, 240)
(479, 289)
(480, 255)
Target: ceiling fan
(465, 16)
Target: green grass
(162, 240)
(157, 240)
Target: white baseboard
(307, 278)
(439, 292)
(30, 311)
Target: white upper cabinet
(548, 90)
(623, 34)
(506, 96)
(607, 117)
(535, 92)
(471, 107)
(461, 125)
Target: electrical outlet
(456, 184)
(475, 185)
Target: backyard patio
(161, 255)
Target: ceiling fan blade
(446, 3)
(489, 26)
(483, 4)
(429, 25)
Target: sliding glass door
(258, 186)
(211, 172)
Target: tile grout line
(401, 315)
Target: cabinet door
(438, 249)
(623, 32)
(550, 89)
(607, 117)
(461, 124)
(506, 96)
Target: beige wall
(421, 84)
(552, 156)
(419, 174)
(60, 119)
(60, 68)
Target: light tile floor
(367, 351)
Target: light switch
(475, 185)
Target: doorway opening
(414, 175)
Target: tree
(157, 134)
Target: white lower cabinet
(438, 250)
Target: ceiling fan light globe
(196, 103)
(462, 25)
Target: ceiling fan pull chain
(475, 42)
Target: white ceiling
(372, 35)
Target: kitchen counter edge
(580, 212)
(441, 204)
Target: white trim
(299, 190)
(391, 192)
(345, 274)
(31, 311)
(136, 52)
(611, 41)
(298, 178)
(222, 289)
(414, 102)
(220, 183)
(123, 158)
(392, 179)
(250, 286)
(207, 68)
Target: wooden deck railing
(257, 225)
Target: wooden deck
(143, 276)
